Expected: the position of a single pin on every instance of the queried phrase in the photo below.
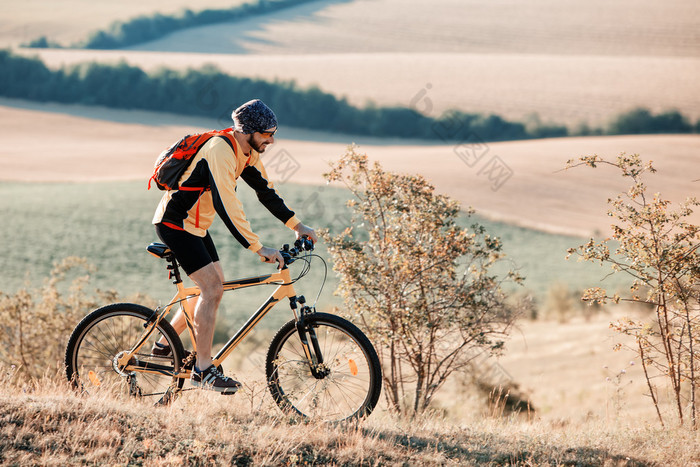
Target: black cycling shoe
(164, 350)
(161, 350)
(213, 380)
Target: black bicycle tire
(289, 329)
(105, 312)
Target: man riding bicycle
(184, 215)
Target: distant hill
(535, 61)
(520, 182)
(597, 27)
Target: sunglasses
(268, 134)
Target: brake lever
(304, 244)
(287, 257)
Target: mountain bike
(318, 365)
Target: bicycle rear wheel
(104, 335)
(345, 386)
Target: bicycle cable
(306, 258)
(307, 267)
(325, 277)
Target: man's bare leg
(178, 322)
(208, 279)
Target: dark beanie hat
(253, 116)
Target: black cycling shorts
(191, 251)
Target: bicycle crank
(115, 364)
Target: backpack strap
(196, 145)
(229, 138)
(231, 142)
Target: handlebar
(300, 245)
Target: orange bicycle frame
(184, 294)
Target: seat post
(173, 268)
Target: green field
(109, 224)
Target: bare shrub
(424, 288)
(36, 323)
(658, 248)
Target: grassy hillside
(109, 224)
(49, 425)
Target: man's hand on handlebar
(303, 230)
(270, 255)
(286, 255)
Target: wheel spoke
(102, 337)
(337, 392)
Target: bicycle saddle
(158, 249)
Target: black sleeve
(267, 194)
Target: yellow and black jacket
(208, 187)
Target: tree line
(212, 93)
(145, 28)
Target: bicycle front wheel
(107, 333)
(343, 380)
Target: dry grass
(572, 374)
(580, 419)
(47, 424)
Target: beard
(258, 145)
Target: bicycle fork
(309, 340)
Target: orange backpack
(173, 162)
